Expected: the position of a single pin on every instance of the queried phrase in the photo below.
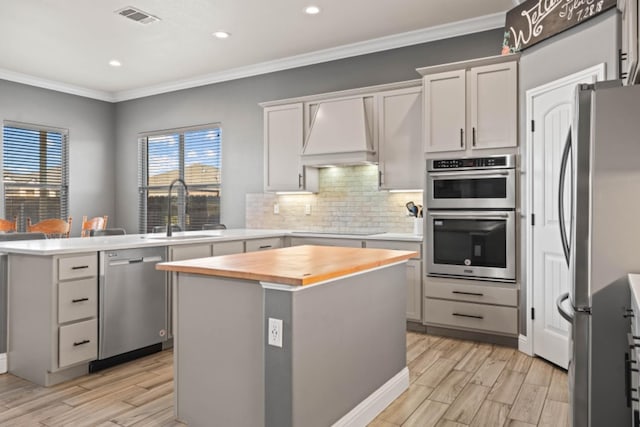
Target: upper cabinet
(628, 54)
(283, 141)
(472, 105)
(400, 165)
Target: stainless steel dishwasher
(133, 301)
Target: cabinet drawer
(395, 245)
(78, 342)
(77, 266)
(77, 300)
(179, 253)
(228, 248)
(488, 294)
(326, 241)
(263, 244)
(466, 315)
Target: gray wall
(584, 46)
(91, 126)
(235, 105)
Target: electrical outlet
(275, 332)
(276, 208)
(307, 209)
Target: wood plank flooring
(454, 383)
(457, 383)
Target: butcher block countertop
(297, 265)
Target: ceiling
(67, 44)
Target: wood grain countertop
(297, 265)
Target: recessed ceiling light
(115, 63)
(312, 10)
(221, 34)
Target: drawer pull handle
(79, 267)
(80, 299)
(264, 247)
(75, 344)
(475, 294)
(468, 315)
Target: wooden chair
(9, 226)
(95, 223)
(51, 227)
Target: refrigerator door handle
(563, 174)
(565, 315)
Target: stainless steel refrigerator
(601, 237)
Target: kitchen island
(298, 336)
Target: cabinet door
(400, 139)
(414, 290)
(629, 39)
(182, 252)
(493, 98)
(283, 141)
(444, 111)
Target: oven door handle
(484, 215)
(469, 174)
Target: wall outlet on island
(276, 208)
(307, 209)
(275, 332)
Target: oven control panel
(500, 162)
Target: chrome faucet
(184, 184)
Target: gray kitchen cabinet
(472, 106)
(283, 142)
(228, 248)
(629, 41)
(182, 252)
(476, 306)
(400, 164)
(53, 316)
(326, 241)
(263, 244)
(414, 274)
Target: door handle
(79, 300)
(461, 138)
(75, 344)
(566, 316)
(475, 294)
(563, 171)
(468, 315)
(79, 267)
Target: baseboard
(524, 345)
(3, 363)
(369, 408)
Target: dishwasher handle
(139, 260)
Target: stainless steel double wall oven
(471, 220)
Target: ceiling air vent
(137, 15)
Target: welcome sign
(536, 20)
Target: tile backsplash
(348, 200)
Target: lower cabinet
(414, 274)
(78, 342)
(53, 315)
(471, 305)
(263, 244)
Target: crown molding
(474, 25)
(54, 85)
(459, 28)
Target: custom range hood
(341, 133)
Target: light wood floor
(458, 383)
(453, 383)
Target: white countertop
(94, 244)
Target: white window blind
(193, 155)
(34, 172)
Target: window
(34, 172)
(193, 155)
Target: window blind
(193, 155)
(34, 172)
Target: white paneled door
(551, 109)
